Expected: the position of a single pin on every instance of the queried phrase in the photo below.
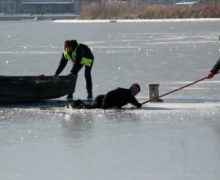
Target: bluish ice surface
(174, 140)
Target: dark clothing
(99, 101)
(88, 77)
(118, 98)
(88, 104)
(216, 67)
(113, 99)
(82, 51)
(83, 104)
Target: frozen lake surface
(174, 140)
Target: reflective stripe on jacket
(85, 61)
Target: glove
(139, 105)
(211, 75)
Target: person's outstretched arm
(63, 62)
(135, 102)
(214, 70)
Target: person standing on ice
(81, 55)
(214, 70)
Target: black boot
(90, 96)
(69, 97)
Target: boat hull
(17, 89)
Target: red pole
(175, 90)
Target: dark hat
(136, 85)
(72, 43)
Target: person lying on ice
(116, 98)
(214, 70)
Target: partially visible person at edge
(81, 55)
(116, 98)
(214, 70)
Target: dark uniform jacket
(82, 51)
(113, 99)
(118, 98)
(216, 67)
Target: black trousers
(87, 74)
(97, 103)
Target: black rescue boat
(19, 89)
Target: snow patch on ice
(137, 20)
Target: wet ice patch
(182, 106)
